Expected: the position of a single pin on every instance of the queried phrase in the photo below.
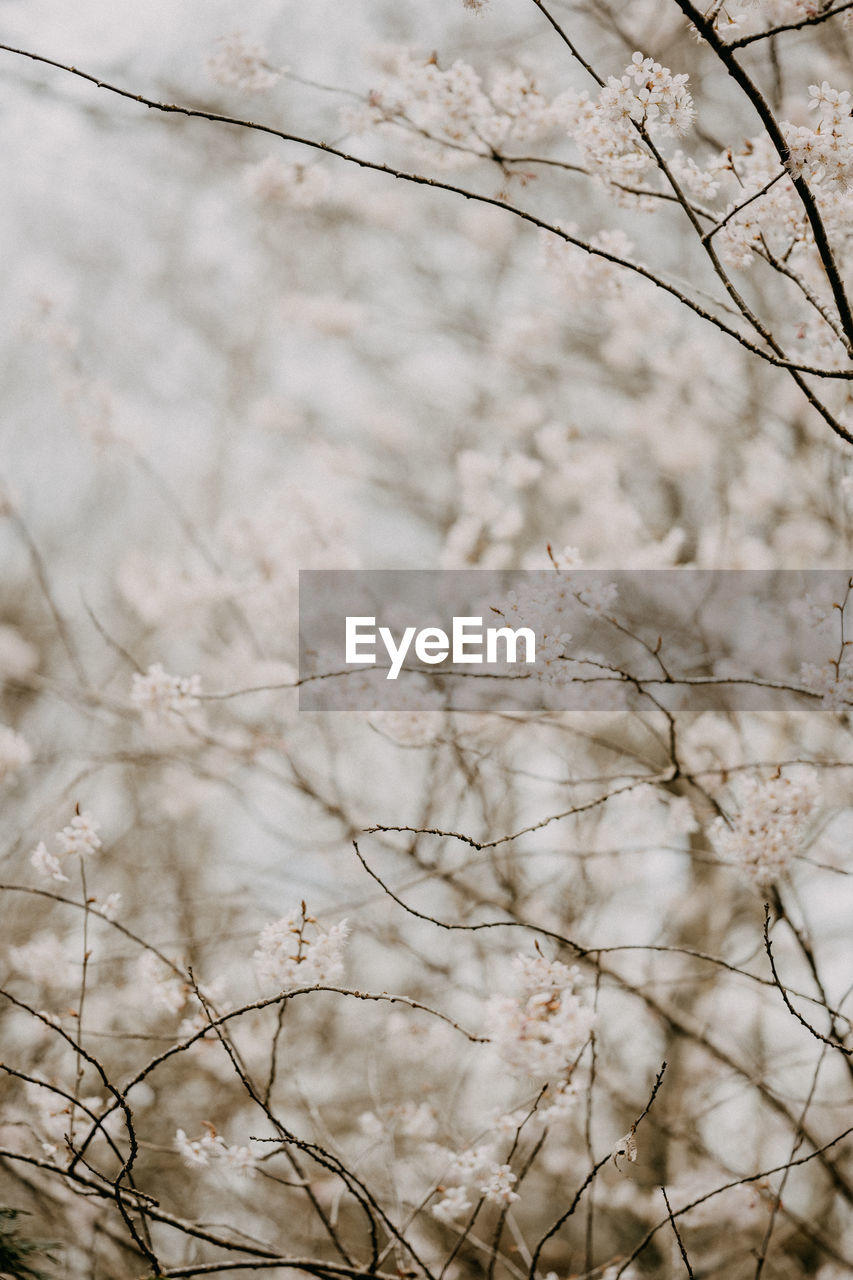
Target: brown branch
(120, 1101)
(833, 1042)
(680, 1242)
(771, 126)
(812, 21)
(736, 1182)
(589, 1178)
(418, 179)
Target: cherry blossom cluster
(200, 1153)
(474, 1172)
(541, 1031)
(833, 681)
(769, 828)
(546, 610)
(239, 64)
(609, 129)
(491, 487)
(758, 222)
(295, 952)
(161, 698)
(550, 608)
(824, 154)
(452, 106)
(595, 276)
(648, 94)
(477, 1172)
(53, 1113)
(692, 178)
(755, 222)
(80, 838)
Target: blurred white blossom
(212, 1149)
(44, 959)
(275, 181)
(161, 985)
(238, 64)
(47, 864)
(454, 1204)
(18, 658)
(161, 698)
(15, 753)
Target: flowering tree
(416, 992)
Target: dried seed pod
(625, 1149)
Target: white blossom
(409, 1120)
(239, 1160)
(299, 186)
(477, 1170)
(44, 959)
(569, 557)
(454, 1205)
(15, 753)
(833, 682)
(417, 1120)
(452, 105)
(542, 1030)
(370, 1124)
(52, 1112)
(497, 1187)
(561, 1101)
(201, 1153)
(47, 864)
(196, 1154)
(80, 836)
(584, 274)
(814, 611)
(599, 597)
(110, 906)
(239, 64)
(608, 130)
(161, 698)
(768, 829)
(472, 1164)
(824, 154)
(162, 987)
(295, 952)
